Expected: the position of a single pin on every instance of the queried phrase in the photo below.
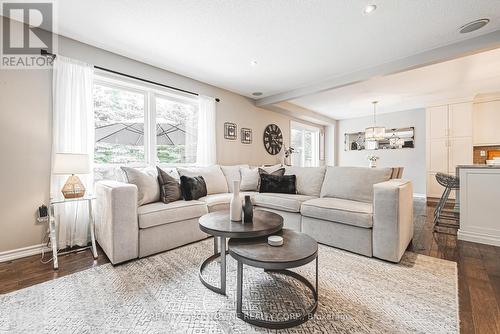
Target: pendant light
(375, 132)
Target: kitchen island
(479, 201)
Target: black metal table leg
(276, 324)
(222, 255)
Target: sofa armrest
(117, 228)
(392, 218)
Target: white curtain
(206, 142)
(73, 132)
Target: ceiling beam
(464, 48)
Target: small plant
(372, 157)
(289, 151)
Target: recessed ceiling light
(369, 9)
(253, 62)
(257, 93)
(473, 26)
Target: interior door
(460, 120)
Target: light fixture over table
(375, 132)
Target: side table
(52, 226)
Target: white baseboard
(416, 195)
(23, 252)
(481, 238)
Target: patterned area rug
(162, 294)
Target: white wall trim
(22, 252)
(481, 238)
(417, 195)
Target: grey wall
(413, 160)
(26, 134)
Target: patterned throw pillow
(193, 187)
(170, 189)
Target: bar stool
(449, 182)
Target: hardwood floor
(478, 271)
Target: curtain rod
(45, 53)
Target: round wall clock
(273, 139)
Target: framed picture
(246, 136)
(230, 131)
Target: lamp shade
(71, 163)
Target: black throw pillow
(170, 189)
(193, 187)
(277, 184)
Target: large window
(305, 141)
(140, 124)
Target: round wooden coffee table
(221, 227)
(297, 250)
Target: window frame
(295, 125)
(150, 92)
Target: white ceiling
(461, 78)
(295, 42)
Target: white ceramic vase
(235, 207)
(373, 164)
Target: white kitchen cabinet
(460, 152)
(486, 121)
(438, 154)
(449, 142)
(437, 122)
(460, 120)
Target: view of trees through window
(176, 131)
(121, 129)
(119, 125)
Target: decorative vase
(235, 205)
(248, 210)
(373, 163)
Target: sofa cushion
(214, 178)
(354, 183)
(148, 189)
(309, 179)
(285, 202)
(232, 173)
(339, 210)
(159, 213)
(219, 202)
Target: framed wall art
(246, 136)
(230, 131)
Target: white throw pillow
(214, 178)
(249, 179)
(232, 173)
(148, 189)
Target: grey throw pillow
(170, 188)
(148, 190)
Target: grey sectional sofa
(362, 210)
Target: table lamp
(71, 164)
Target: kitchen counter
(478, 166)
(479, 202)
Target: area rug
(163, 294)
